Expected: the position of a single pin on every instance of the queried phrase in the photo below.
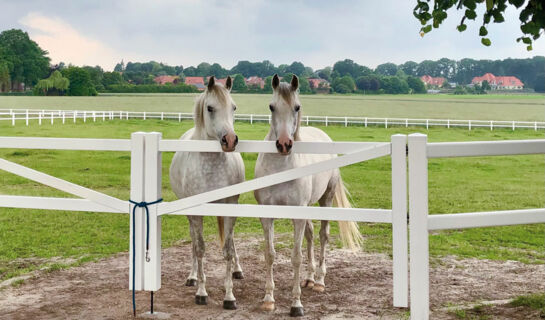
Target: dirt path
(359, 286)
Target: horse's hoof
(296, 312)
(190, 282)
(267, 306)
(318, 287)
(229, 305)
(238, 275)
(201, 300)
(307, 283)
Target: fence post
(307, 120)
(84, 116)
(13, 119)
(535, 126)
(326, 121)
(127, 115)
(491, 125)
(144, 115)
(448, 123)
(51, 117)
(39, 118)
(406, 123)
(162, 116)
(386, 123)
(27, 117)
(366, 122)
(399, 221)
(418, 227)
(63, 117)
(137, 195)
(75, 115)
(469, 125)
(103, 116)
(251, 119)
(346, 121)
(94, 116)
(513, 125)
(427, 124)
(152, 192)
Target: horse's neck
(200, 134)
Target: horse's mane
(285, 91)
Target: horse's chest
(205, 173)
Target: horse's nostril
(224, 139)
(236, 140)
(288, 146)
(278, 145)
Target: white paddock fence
(146, 167)
(146, 150)
(63, 116)
(421, 223)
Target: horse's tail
(350, 234)
(220, 231)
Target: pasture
(34, 239)
(465, 107)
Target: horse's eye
(271, 107)
(210, 109)
(297, 108)
(234, 108)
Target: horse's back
(313, 134)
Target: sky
(187, 32)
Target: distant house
(255, 82)
(319, 85)
(222, 80)
(166, 79)
(435, 82)
(499, 83)
(195, 81)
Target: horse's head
(285, 113)
(214, 114)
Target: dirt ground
(358, 286)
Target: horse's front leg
(308, 281)
(268, 228)
(192, 278)
(296, 259)
(197, 242)
(237, 273)
(229, 302)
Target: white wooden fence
(146, 150)
(421, 223)
(52, 116)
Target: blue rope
(144, 205)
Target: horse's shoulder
(313, 134)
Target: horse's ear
(211, 82)
(294, 83)
(275, 81)
(229, 83)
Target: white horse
(197, 172)
(323, 188)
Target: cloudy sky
(187, 32)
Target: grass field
(31, 239)
(470, 107)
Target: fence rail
(52, 116)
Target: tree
(267, 88)
(416, 85)
(394, 85)
(5, 81)
(485, 85)
(80, 82)
(363, 83)
(304, 85)
(96, 74)
(296, 68)
(26, 61)
(344, 84)
(55, 85)
(348, 67)
(409, 67)
(532, 17)
(386, 69)
(111, 78)
(239, 85)
(325, 73)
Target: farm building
(195, 81)
(434, 82)
(255, 82)
(166, 79)
(499, 83)
(319, 85)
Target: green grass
(534, 301)
(30, 239)
(468, 107)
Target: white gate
(421, 223)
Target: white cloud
(64, 43)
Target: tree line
(22, 61)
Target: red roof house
(499, 83)
(195, 81)
(255, 82)
(166, 79)
(433, 82)
(319, 85)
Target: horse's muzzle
(229, 142)
(284, 146)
